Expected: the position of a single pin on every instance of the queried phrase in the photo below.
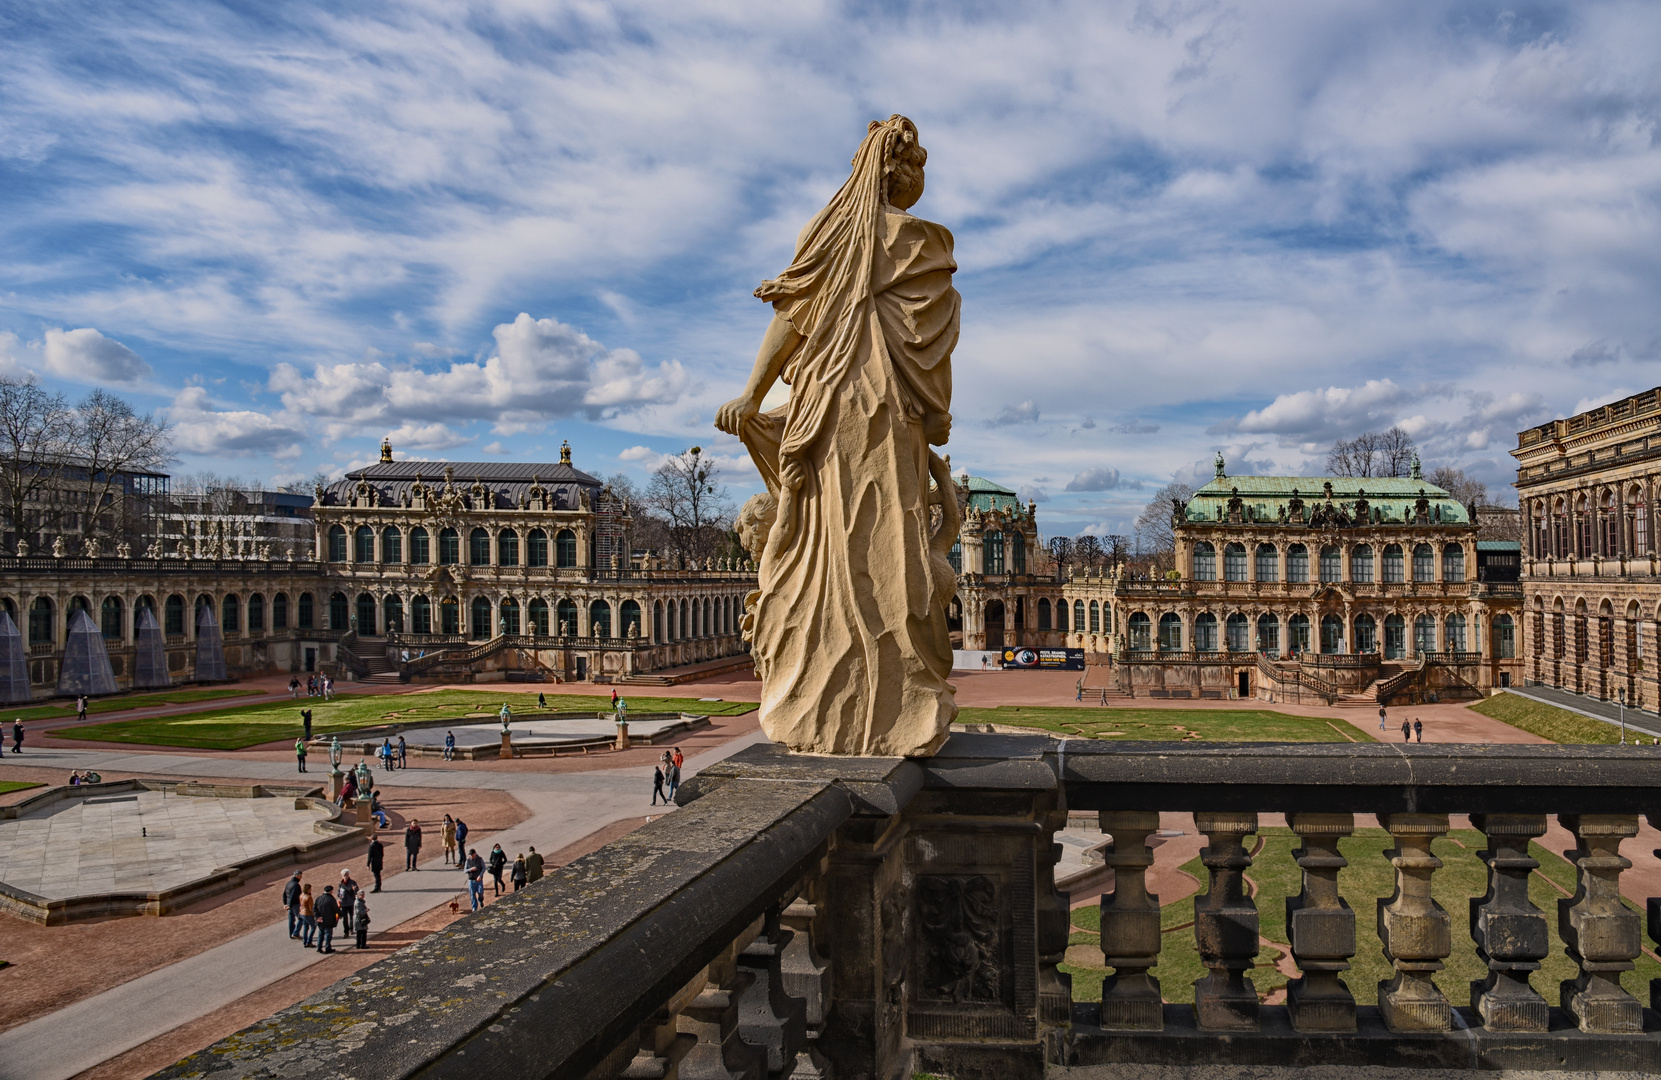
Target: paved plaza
(539, 732)
(143, 841)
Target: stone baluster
(1415, 930)
(807, 975)
(712, 1018)
(1510, 932)
(1321, 926)
(768, 1018)
(1225, 926)
(1054, 925)
(662, 1045)
(1602, 936)
(1130, 926)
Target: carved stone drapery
(958, 917)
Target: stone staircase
(372, 652)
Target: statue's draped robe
(849, 628)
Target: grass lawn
(1547, 721)
(7, 786)
(1368, 877)
(250, 725)
(60, 711)
(1212, 725)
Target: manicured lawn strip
(1207, 725)
(1368, 877)
(131, 701)
(1546, 721)
(7, 786)
(250, 725)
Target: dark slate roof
(509, 482)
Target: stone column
(1509, 931)
(1601, 935)
(1415, 930)
(1321, 926)
(1130, 926)
(1225, 926)
(767, 1018)
(866, 902)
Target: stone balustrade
(864, 919)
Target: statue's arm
(778, 344)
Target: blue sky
(1182, 227)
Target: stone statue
(59, 550)
(90, 547)
(124, 550)
(22, 548)
(848, 628)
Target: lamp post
(1622, 696)
(337, 779)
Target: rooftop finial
(386, 450)
(1415, 474)
(1220, 472)
(565, 452)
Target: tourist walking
(533, 866)
(17, 735)
(308, 916)
(498, 862)
(675, 772)
(348, 897)
(386, 754)
(377, 859)
(541, 700)
(328, 687)
(1381, 718)
(291, 901)
(1406, 731)
(294, 688)
(475, 878)
(461, 834)
(81, 707)
(614, 697)
(328, 914)
(449, 746)
(412, 845)
(519, 874)
(403, 753)
(657, 785)
(300, 753)
(1418, 730)
(360, 921)
(448, 833)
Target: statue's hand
(732, 416)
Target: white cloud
(85, 355)
(424, 437)
(495, 449)
(200, 428)
(1100, 478)
(1335, 412)
(1025, 412)
(638, 453)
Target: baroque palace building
(1589, 487)
(417, 570)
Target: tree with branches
(1156, 537)
(686, 491)
(1372, 453)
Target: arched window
(1234, 562)
(1297, 634)
(1238, 631)
(420, 550)
(421, 614)
(538, 610)
(392, 545)
(449, 547)
(1043, 614)
(510, 616)
(1061, 615)
(339, 611)
(41, 623)
(109, 618)
(1205, 632)
(1095, 618)
(1297, 564)
(479, 615)
(304, 614)
(1141, 632)
(1393, 568)
(1453, 638)
(173, 615)
(565, 549)
(392, 614)
(364, 549)
(1205, 561)
(478, 548)
(256, 613)
(507, 548)
(599, 618)
(1268, 634)
(1453, 562)
(1078, 616)
(337, 544)
(1424, 633)
(449, 615)
(1424, 563)
(366, 615)
(1268, 563)
(566, 618)
(659, 629)
(1395, 637)
(202, 601)
(631, 617)
(992, 553)
(536, 549)
(1505, 638)
(1361, 564)
(1366, 634)
(1170, 632)
(230, 618)
(1017, 553)
(1332, 563)
(955, 556)
(279, 612)
(1332, 634)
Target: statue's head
(903, 162)
(755, 521)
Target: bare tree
(649, 531)
(1461, 485)
(37, 435)
(1061, 549)
(1396, 449)
(1115, 548)
(309, 485)
(687, 492)
(113, 442)
(1372, 453)
(1156, 536)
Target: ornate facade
(1589, 486)
(998, 595)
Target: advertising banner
(1046, 659)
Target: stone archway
(994, 622)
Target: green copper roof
(1265, 498)
(985, 495)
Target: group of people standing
(312, 919)
(666, 776)
(322, 686)
(1411, 730)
